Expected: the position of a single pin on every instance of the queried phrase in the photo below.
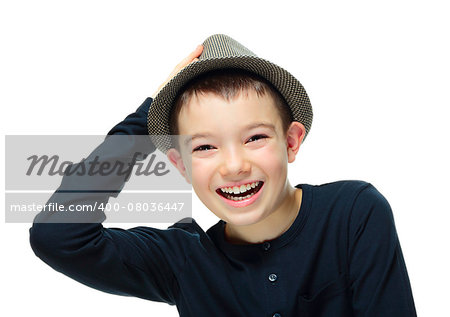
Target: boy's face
(236, 146)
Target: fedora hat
(222, 52)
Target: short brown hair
(229, 83)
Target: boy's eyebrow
(248, 127)
(259, 125)
(196, 136)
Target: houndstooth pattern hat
(221, 52)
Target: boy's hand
(192, 57)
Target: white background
(377, 74)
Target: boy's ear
(177, 161)
(294, 138)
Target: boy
(278, 250)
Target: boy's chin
(243, 220)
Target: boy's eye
(257, 137)
(203, 148)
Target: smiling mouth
(240, 193)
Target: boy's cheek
(274, 154)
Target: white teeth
(238, 190)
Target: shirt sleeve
(135, 123)
(378, 277)
(132, 262)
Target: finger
(194, 54)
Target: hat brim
(287, 85)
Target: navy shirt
(340, 257)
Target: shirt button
(276, 315)
(266, 246)
(273, 277)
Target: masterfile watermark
(94, 208)
(87, 178)
(40, 162)
(54, 166)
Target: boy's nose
(234, 163)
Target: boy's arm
(135, 123)
(125, 262)
(378, 275)
(142, 261)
